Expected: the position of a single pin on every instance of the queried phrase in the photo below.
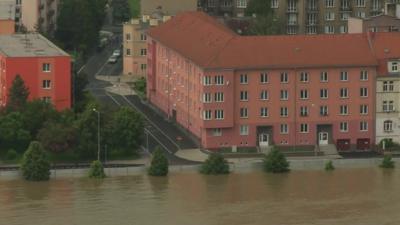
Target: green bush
(387, 162)
(329, 166)
(275, 162)
(11, 154)
(389, 143)
(96, 170)
(35, 165)
(159, 164)
(215, 164)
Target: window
(46, 99)
(143, 66)
(264, 112)
(219, 97)
(344, 110)
(292, 5)
(212, 3)
(264, 95)
(311, 30)
(387, 126)
(360, 3)
(303, 111)
(363, 75)
(292, 19)
(303, 94)
(219, 114)
(219, 80)
(323, 93)
(241, 3)
(291, 29)
(284, 95)
(394, 67)
(344, 76)
(312, 4)
(344, 16)
(207, 97)
(217, 132)
(244, 113)
(388, 106)
(128, 37)
(363, 126)
(264, 78)
(329, 16)
(323, 110)
(359, 14)
(284, 128)
(343, 29)
(143, 52)
(46, 67)
(243, 79)
(243, 96)
(344, 127)
(344, 4)
(143, 37)
(274, 4)
(388, 86)
(304, 128)
(207, 115)
(311, 19)
(244, 129)
(128, 51)
(363, 92)
(284, 77)
(284, 111)
(323, 77)
(206, 80)
(303, 77)
(363, 109)
(344, 93)
(329, 29)
(46, 84)
(329, 3)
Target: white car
(117, 53)
(113, 59)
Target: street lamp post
(98, 133)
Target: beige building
(7, 16)
(153, 12)
(39, 15)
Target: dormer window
(394, 67)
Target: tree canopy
(18, 94)
(35, 165)
(265, 22)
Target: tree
(387, 162)
(215, 164)
(80, 82)
(18, 94)
(96, 170)
(57, 137)
(35, 165)
(12, 132)
(126, 129)
(329, 166)
(121, 10)
(265, 22)
(159, 163)
(134, 5)
(79, 23)
(36, 114)
(275, 162)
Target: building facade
(7, 16)
(309, 16)
(45, 69)
(381, 23)
(39, 15)
(230, 90)
(388, 87)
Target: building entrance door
(263, 139)
(323, 138)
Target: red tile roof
(386, 45)
(210, 44)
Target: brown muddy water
(346, 196)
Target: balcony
(345, 9)
(291, 10)
(312, 9)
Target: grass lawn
(135, 8)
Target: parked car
(117, 53)
(113, 59)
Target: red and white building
(45, 68)
(230, 90)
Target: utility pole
(98, 133)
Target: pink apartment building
(231, 90)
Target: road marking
(101, 68)
(80, 70)
(148, 132)
(154, 125)
(112, 98)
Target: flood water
(346, 196)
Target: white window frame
(304, 77)
(284, 95)
(217, 132)
(46, 67)
(344, 127)
(344, 93)
(363, 126)
(264, 112)
(388, 126)
(364, 75)
(207, 114)
(304, 94)
(344, 110)
(219, 114)
(323, 93)
(264, 78)
(207, 81)
(219, 97)
(284, 111)
(244, 130)
(207, 98)
(244, 79)
(244, 96)
(284, 77)
(364, 109)
(284, 129)
(264, 95)
(323, 110)
(46, 84)
(363, 92)
(219, 80)
(243, 113)
(304, 128)
(344, 76)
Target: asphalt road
(159, 132)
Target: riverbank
(241, 165)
